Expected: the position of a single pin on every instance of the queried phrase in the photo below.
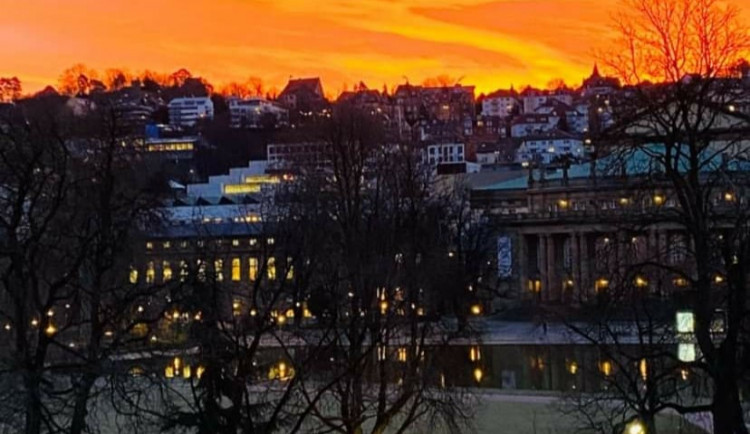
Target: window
(271, 268)
(166, 244)
(289, 269)
(271, 241)
(201, 270)
(149, 245)
(166, 272)
(150, 272)
(253, 269)
(253, 241)
(219, 270)
(133, 278)
(183, 271)
(236, 270)
(235, 243)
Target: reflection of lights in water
(475, 354)
(643, 368)
(478, 374)
(635, 427)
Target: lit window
(271, 241)
(601, 285)
(150, 273)
(289, 269)
(253, 269)
(166, 244)
(236, 307)
(271, 268)
(658, 200)
(183, 271)
(183, 244)
(166, 272)
(133, 276)
(149, 245)
(201, 270)
(219, 270)
(236, 270)
(253, 241)
(685, 322)
(686, 352)
(235, 243)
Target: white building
(185, 112)
(531, 98)
(249, 113)
(251, 179)
(500, 103)
(531, 124)
(544, 149)
(445, 153)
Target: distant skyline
(487, 43)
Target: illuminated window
(133, 276)
(236, 307)
(253, 241)
(235, 243)
(271, 268)
(253, 269)
(402, 354)
(563, 203)
(624, 201)
(183, 244)
(219, 270)
(606, 368)
(658, 199)
(686, 352)
(166, 272)
(149, 245)
(166, 244)
(241, 188)
(271, 241)
(150, 273)
(183, 271)
(535, 285)
(236, 269)
(601, 285)
(289, 269)
(201, 270)
(640, 282)
(685, 322)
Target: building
(532, 99)
(569, 232)
(500, 103)
(499, 152)
(249, 180)
(445, 153)
(185, 112)
(546, 148)
(529, 124)
(254, 112)
(597, 85)
(438, 112)
(303, 97)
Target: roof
(637, 161)
(503, 93)
(312, 85)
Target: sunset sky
(489, 43)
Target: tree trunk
(80, 410)
(727, 409)
(33, 404)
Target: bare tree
(683, 136)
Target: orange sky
(489, 43)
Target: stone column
(523, 265)
(553, 283)
(575, 262)
(542, 263)
(585, 285)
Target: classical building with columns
(570, 233)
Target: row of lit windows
(170, 147)
(252, 270)
(166, 245)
